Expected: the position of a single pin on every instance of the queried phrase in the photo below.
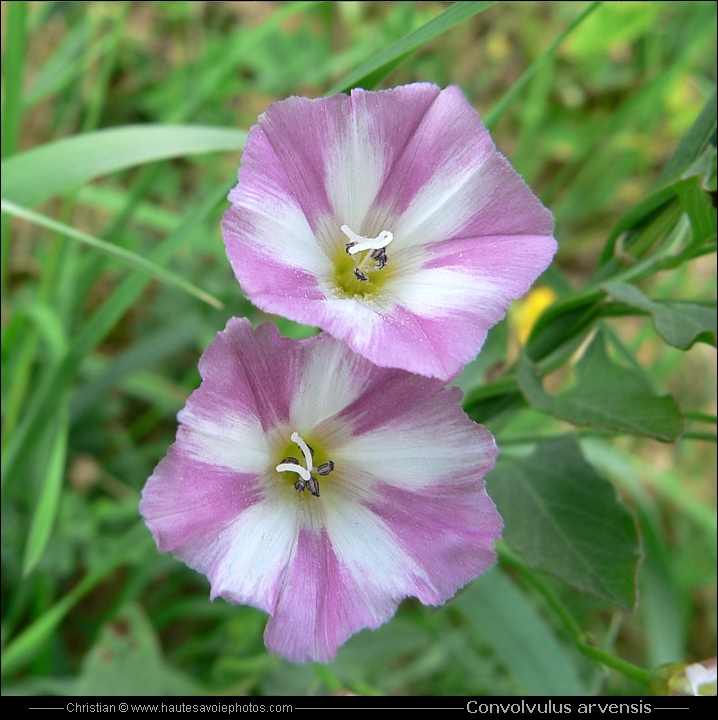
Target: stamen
(294, 467)
(359, 243)
(295, 437)
(313, 486)
(306, 480)
(359, 275)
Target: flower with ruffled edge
(388, 219)
(311, 484)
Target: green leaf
(563, 518)
(129, 258)
(45, 513)
(604, 395)
(696, 140)
(22, 443)
(488, 401)
(35, 637)
(127, 660)
(510, 95)
(693, 191)
(526, 645)
(371, 72)
(680, 324)
(564, 325)
(694, 144)
(56, 168)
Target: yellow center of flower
(357, 266)
(305, 473)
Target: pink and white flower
(388, 219)
(322, 489)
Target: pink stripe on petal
(500, 258)
(320, 605)
(285, 152)
(393, 394)
(186, 502)
(278, 288)
(243, 370)
(450, 554)
(418, 444)
(487, 199)
(449, 141)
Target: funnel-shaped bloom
(322, 489)
(388, 219)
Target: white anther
(364, 243)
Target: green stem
(700, 417)
(641, 675)
(695, 435)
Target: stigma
(375, 249)
(305, 481)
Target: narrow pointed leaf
(56, 168)
(46, 508)
(369, 73)
(129, 258)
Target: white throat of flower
(305, 481)
(375, 249)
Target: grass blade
(127, 257)
(380, 65)
(498, 110)
(21, 444)
(43, 519)
(58, 167)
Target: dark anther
(349, 245)
(359, 275)
(313, 486)
(299, 485)
(379, 254)
(325, 468)
(291, 461)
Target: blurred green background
(89, 606)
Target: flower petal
(402, 512)
(322, 604)
(468, 234)
(418, 444)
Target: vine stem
(578, 637)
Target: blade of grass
(25, 646)
(380, 65)
(13, 68)
(510, 95)
(129, 258)
(12, 73)
(43, 519)
(20, 445)
(57, 167)
(243, 43)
